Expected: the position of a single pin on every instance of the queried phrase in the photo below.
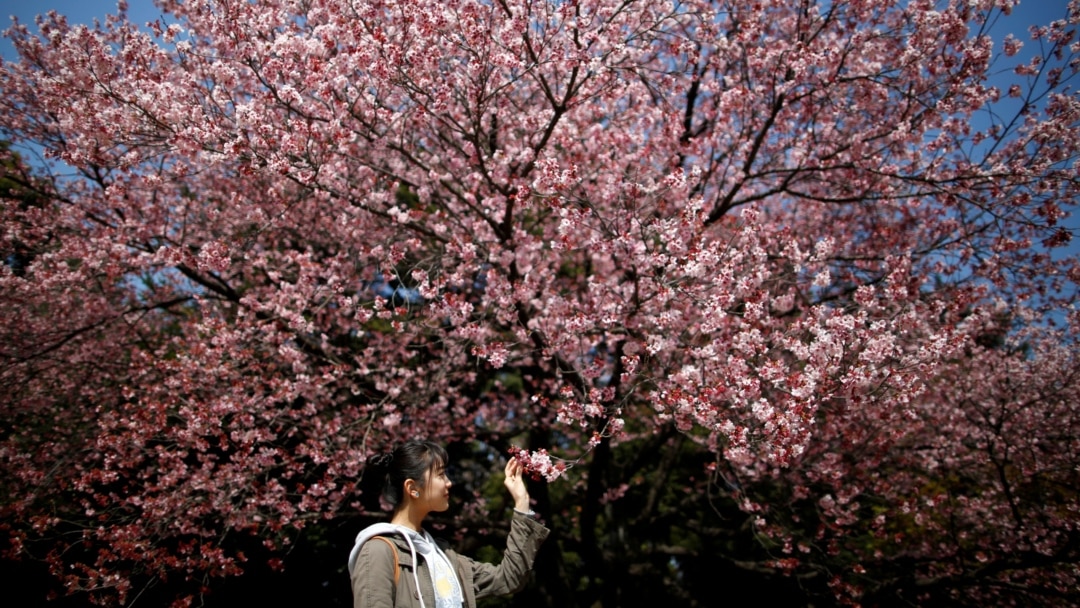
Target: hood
(371, 532)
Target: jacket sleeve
(512, 572)
(373, 577)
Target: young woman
(399, 564)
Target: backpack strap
(397, 567)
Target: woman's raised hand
(515, 484)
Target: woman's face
(436, 491)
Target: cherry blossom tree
(812, 249)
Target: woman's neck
(408, 518)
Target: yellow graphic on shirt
(447, 594)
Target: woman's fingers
(514, 468)
(516, 485)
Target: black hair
(411, 460)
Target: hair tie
(382, 459)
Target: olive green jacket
(373, 580)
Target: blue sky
(77, 11)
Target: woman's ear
(411, 489)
